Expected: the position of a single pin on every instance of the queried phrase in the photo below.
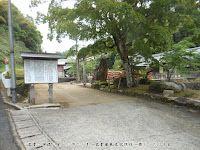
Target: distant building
(160, 73)
(64, 66)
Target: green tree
(3, 12)
(73, 51)
(24, 28)
(62, 54)
(190, 28)
(144, 26)
(180, 60)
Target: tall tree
(143, 26)
(24, 28)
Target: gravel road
(94, 119)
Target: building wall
(60, 71)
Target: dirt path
(73, 95)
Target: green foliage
(122, 81)
(24, 28)
(141, 26)
(90, 66)
(18, 72)
(71, 51)
(99, 47)
(110, 58)
(95, 85)
(180, 60)
(72, 70)
(22, 88)
(190, 29)
(98, 84)
(62, 54)
(5, 50)
(117, 64)
(2, 67)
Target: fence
(163, 76)
(7, 83)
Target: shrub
(98, 84)
(156, 86)
(95, 85)
(18, 72)
(122, 82)
(22, 88)
(103, 83)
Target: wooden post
(119, 83)
(109, 83)
(32, 95)
(50, 92)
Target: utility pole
(12, 59)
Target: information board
(40, 71)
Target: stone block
(168, 93)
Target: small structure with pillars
(40, 68)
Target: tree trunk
(77, 63)
(84, 75)
(123, 52)
(168, 76)
(77, 70)
(129, 74)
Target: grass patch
(189, 93)
(139, 88)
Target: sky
(47, 45)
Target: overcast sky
(47, 45)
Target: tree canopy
(130, 26)
(24, 28)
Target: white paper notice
(40, 71)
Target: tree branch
(108, 46)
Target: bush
(22, 88)
(95, 85)
(103, 83)
(156, 86)
(18, 72)
(122, 83)
(144, 81)
(98, 84)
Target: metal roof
(33, 55)
(65, 61)
(160, 55)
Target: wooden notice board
(40, 71)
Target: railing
(163, 76)
(7, 83)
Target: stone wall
(193, 86)
(65, 79)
